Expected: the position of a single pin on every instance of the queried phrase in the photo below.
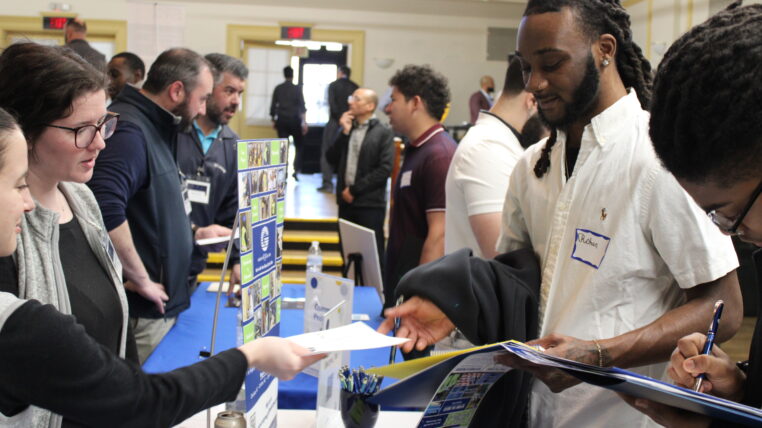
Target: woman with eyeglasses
(48, 360)
(64, 255)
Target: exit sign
(304, 33)
(54, 22)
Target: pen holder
(356, 412)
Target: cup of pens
(356, 387)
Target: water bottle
(315, 258)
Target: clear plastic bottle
(315, 258)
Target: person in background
(139, 191)
(479, 174)
(124, 68)
(207, 157)
(75, 34)
(481, 168)
(481, 99)
(339, 92)
(64, 256)
(715, 152)
(416, 232)
(629, 263)
(288, 115)
(48, 361)
(363, 154)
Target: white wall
(454, 45)
(667, 20)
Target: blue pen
(393, 352)
(710, 339)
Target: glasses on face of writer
(730, 226)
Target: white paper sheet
(346, 338)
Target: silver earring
(605, 62)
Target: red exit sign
(303, 33)
(54, 22)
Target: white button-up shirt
(617, 243)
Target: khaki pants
(148, 334)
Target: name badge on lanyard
(198, 189)
(590, 247)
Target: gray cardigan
(41, 275)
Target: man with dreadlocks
(706, 130)
(628, 262)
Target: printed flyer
(262, 172)
(459, 395)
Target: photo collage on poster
(262, 166)
(262, 186)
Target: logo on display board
(314, 282)
(264, 239)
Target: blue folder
(641, 386)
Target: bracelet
(600, 353)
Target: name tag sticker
(198, 191)
(406, 178)
(590, 247)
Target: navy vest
(160, 228)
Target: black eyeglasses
(85, 134)
(730, 226)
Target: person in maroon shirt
(416, 232)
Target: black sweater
(47, 360)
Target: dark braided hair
(705, 120)
(597, 17)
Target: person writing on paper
(715, 152)
(48, 360)
(629, 263)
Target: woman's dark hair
(38, 84)
(598, 17)
(706, 116)
(8, 124)
(428, 84)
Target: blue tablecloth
(193, 330)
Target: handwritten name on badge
(590, 247)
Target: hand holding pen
(420, 320)
(718, 306)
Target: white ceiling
(472, 8)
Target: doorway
(240, 38)
(317, 70)
(106, 36)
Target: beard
(215, 114)
(583, 100)
(186, 117)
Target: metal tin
(230, 419)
